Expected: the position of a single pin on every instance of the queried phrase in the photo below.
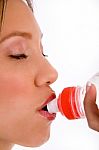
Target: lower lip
(47, 115)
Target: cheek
(14, 104)
(17, 94)
(12, 86)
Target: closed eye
(18, 56)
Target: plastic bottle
(70, 100)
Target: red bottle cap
(66, 103)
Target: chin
(40, 142)
(36, 141)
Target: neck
(4, 145)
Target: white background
(71, 39)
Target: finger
(91, 109)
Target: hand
(91, 109)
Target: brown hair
(3, 4)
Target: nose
(46, 74)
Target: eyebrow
(26, 35)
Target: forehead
(19, 17)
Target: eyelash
(18, 56)
(22, 56)
(44, 55)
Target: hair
(3, 4)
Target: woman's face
(25, 76)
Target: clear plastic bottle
(70, 100)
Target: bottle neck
(78, 100)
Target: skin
(25, 82)
(91, 108)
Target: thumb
(91, 109)
(90, 96)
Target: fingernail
(88, 85)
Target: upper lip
(49, 99)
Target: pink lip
(46, 114)
(51, 97)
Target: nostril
(48, 82)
